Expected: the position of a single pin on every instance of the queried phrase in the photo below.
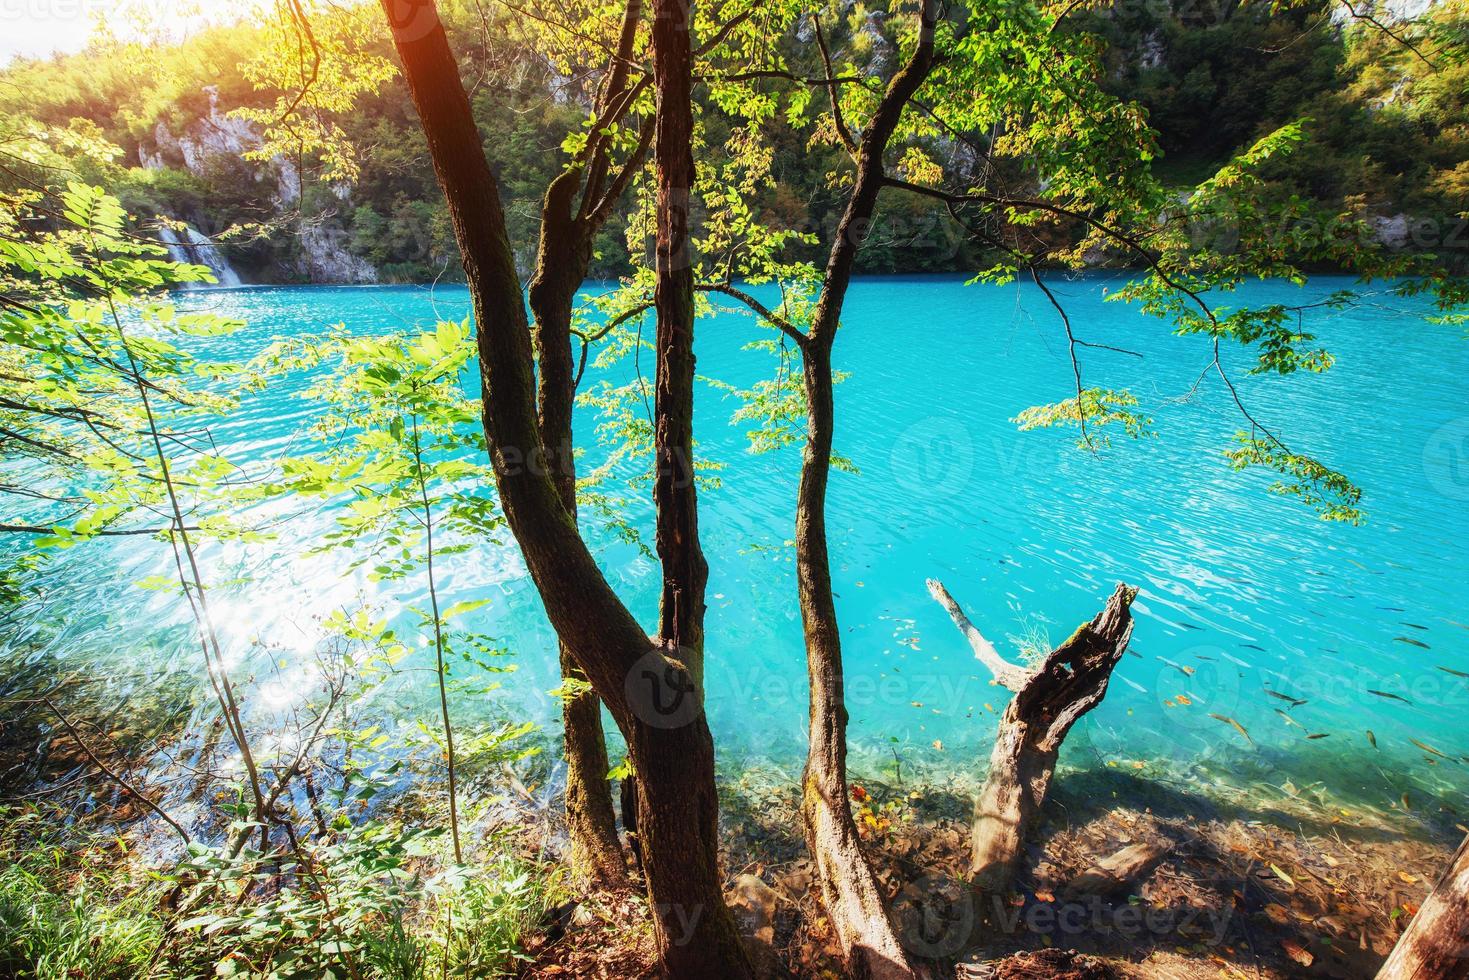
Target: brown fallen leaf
(1297, 952)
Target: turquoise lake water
(1242, 592)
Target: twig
(114, 776)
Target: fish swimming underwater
(1294, 702)
(1233, 724)
(1428, 748)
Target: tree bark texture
(571, 216)
(854, 900)
(685, 572)
(1436, 943)
(672, 750)
(561, 265)
(1069, 682)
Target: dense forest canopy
(1385, 130)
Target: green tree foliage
(105, 429)
(1386, 124)
(1019, 140)
(406, 447)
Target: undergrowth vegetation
(376, 900)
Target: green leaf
(460, 608)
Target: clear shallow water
(1241, 590)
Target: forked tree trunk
(1436, 944)
(694, 931)
(576, 205)
(1069, 682)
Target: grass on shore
(375, 903)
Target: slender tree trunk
(854, 900)
(672, 750)
(1049, 699)
(1436, 945)
(685, 572)
(561, 266)
(662, 803)
(576, 205)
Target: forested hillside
(354, 199)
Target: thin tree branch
(1370, 19)
(129, 532)
(775, 319)
(1086, 437)
(836, 101)
(1006, 674)
(114, 776)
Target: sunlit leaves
(1332, 495)
(318, 59)
(73, 405)
(402, 445)
(1092, 410)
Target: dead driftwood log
(1049, 698)
(1436, 943)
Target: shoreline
(1243, 884)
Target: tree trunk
(596, 851)
(1069, 682)
(561, 266)
(664, 804)
(568, 227)
(673, 754)
(685, 572)
(1436, 945)
(850, 891)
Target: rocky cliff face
(325, 253)
(325, 257)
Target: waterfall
(196, 248)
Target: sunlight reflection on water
(1242, 592)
